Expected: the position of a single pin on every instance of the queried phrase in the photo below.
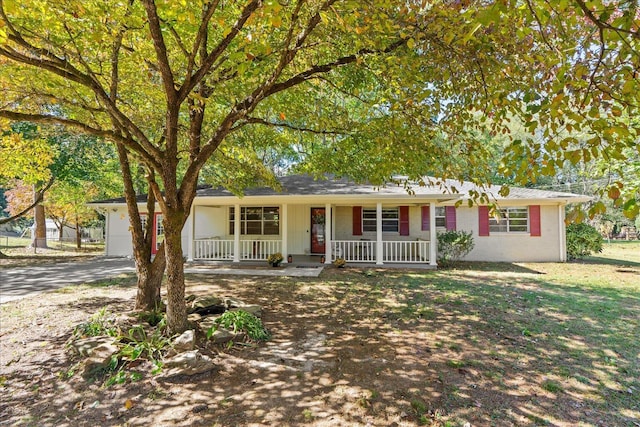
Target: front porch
(326, 229)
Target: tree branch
(604, 25)
(84, 128)
(65, 71)
(592, 77)
(161, 50)
(257, 120)
(325, 68)
(192, 80)
(201, 36)
(37, 201)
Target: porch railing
(213, 249)
(223, 250)
(405, 251)
(354, 250)
(258, 250)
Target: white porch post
(562, 234)
(379, 249)
(285, 234)
(433, 238)
(327, 233)
(190, 232)
(106, 232)
(236, 233)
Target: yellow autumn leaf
(128, 404)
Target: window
(441, 216)
(256, 220)
(512, 220)
(390, 220)
(159, 236)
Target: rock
(207, 322)
(100, 358)
(233, 303)
(188, 363)
(185, 342)
(254, 309)
(206, 305)
(86, 346)
(221, 336)
(194, 317)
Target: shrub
(238, 321)
(453, 245)
(582, 241)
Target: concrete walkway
(20, 282)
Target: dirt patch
(353, 347)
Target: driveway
(20, 282)
(17, 283)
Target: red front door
(318, 230)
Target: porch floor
(302, 266)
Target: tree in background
(367, 90)
(67, 207)
(26, 160)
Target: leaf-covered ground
(483, 344)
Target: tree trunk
(78, 234)
(176, 308)
(39, 238)
(60, 232)
(150, 274)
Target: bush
(240, 321)
(453, 245)
(582, 241)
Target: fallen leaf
(128, 404)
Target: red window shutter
(534, 220)
(450, 217)
(483, 216)
(425, 218)
(404, 220)
(357, 221)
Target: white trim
(433, 236)
(284, 232)
(379, 247)
(236, 232)
(106, 233)
(190, 232)
(562, 234)
(328, 235)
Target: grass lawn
(483, 344)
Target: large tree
(365, 89)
